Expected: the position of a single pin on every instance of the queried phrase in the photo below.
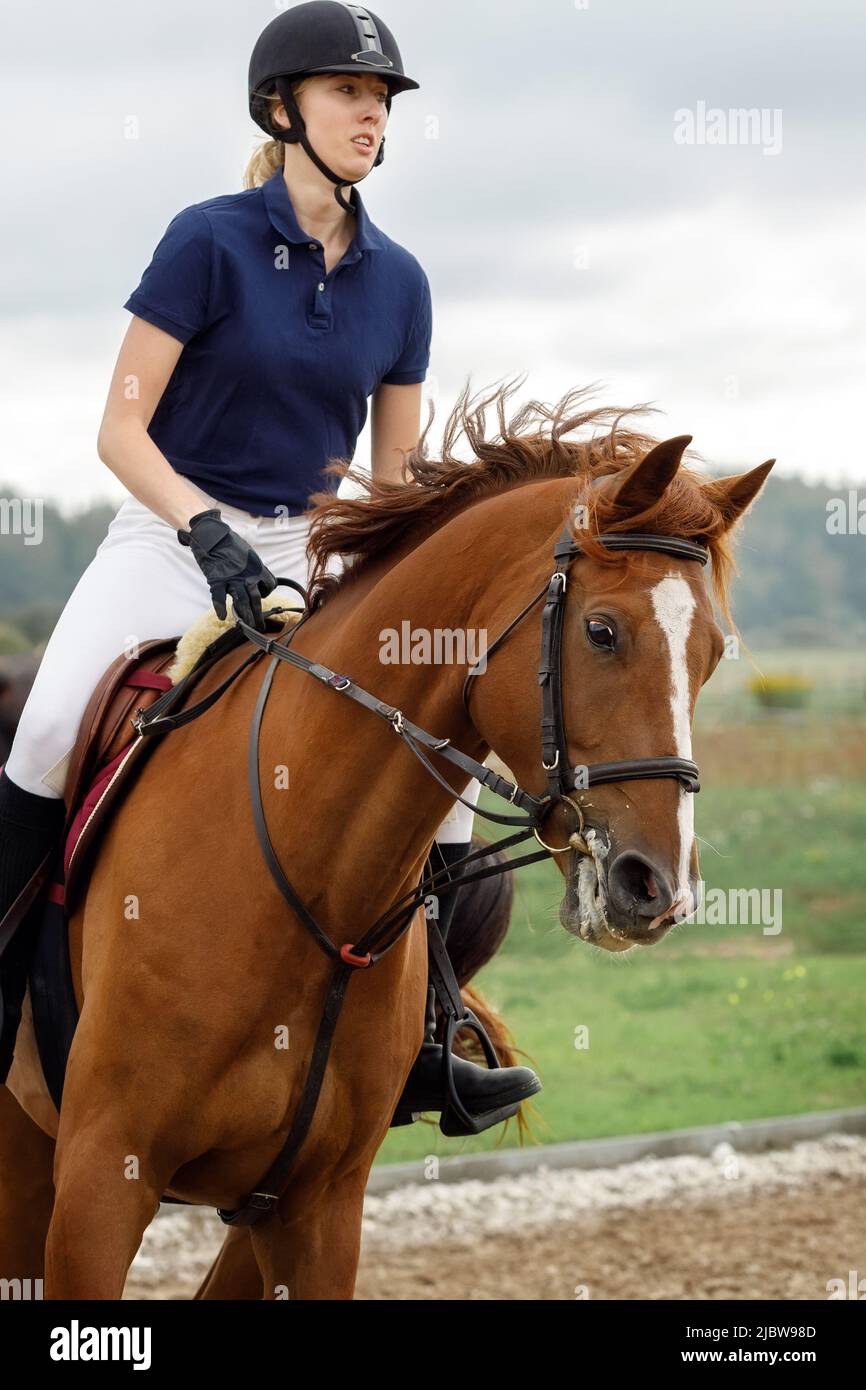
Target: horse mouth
(586, 911)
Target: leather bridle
(554, 742)
(389, 928)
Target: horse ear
(643, 483)
(733, 496)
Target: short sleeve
(174, 289)
(411, 366)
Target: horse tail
(508, 1053)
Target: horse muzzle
(619, 898)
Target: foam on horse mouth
(592, 898)
(586, 897)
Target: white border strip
(749, 1136)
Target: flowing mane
(529, 446)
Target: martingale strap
(389, 928)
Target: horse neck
(368, 797)
(465, 577)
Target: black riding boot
(489, 1095)
(30, 826)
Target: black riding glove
(229, 565)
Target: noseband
(388, 929)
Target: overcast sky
(574, 223)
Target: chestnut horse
(200, 992)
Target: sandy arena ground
(776, 1225)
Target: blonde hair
(270, 156)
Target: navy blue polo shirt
(279, 358)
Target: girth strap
(261, 1202)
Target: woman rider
(263, 323)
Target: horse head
(638, 638)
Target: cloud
(535, 175)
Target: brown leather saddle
(106, 758)
(104, 730)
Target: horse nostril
(638, 887)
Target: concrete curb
(750, 1136)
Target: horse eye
(601, 634)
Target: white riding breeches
(141, 584)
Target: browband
(680, 549)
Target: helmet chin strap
(297, 135)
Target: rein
(390, 927)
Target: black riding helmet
(318, 37)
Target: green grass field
(717, 1023)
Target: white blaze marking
(674, 606)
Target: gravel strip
(418, 1215)
(178, 1248)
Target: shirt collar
(282, 215)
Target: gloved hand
(229, 565)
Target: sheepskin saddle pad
(208, 627)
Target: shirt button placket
(321, 317)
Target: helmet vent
(372, 58)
